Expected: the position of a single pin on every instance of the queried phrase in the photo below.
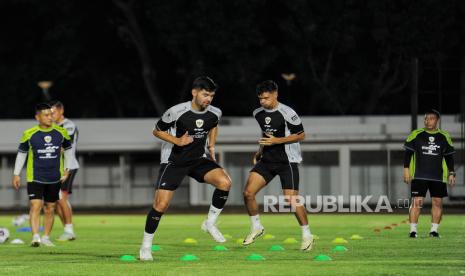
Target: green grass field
(102, 239)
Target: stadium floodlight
(45, 86)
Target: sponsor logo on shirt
(432, 148)
(50, 152)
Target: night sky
(136, 58)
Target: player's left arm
(212, 142)
(296, 129)
(68, 154)
(449, 158)
(272, 140)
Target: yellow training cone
(268, 237)
(290, 240)
(339, 240)
(190, 241)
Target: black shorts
(171, 175)
(419, 187)
(67, 186)
(288, 173)
(45, 192)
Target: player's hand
(451, 180)
(16, 181)
(268, 141)
(407, 177)
(185, 140)
(65, 176)
(211, 150)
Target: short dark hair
(204, 83)
(266, 86)
(433, 111)
(42, 106)
(56, 103)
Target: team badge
(199, 123)
(431, 139)
(267, 120)
(48, 139)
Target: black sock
(219, 198)
(153, 218)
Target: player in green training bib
(428, 166)
(42, 147)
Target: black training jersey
(181, 118)
(43, 148)
(429, 149)
(280, 122)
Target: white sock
(45, 237)
(434, 227)
(306, 231)
(413, 227)
(213, 214)
(36, 237)
(147, 240)
(69, 228)
(256, 222)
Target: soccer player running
(64, 208)
(185, 130)
(428, 165)
(279, 154)
(41, 145)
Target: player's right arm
(166, 122)
(407, 157)
(409, 147)
(20, 160)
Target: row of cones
(258, 257)
(390, 226)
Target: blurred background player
(41, 145)
(279, 154)
(64, 209)
(428, 166)
(185, 129)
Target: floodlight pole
(414, 94)
(462, 113)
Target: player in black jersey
(279, 154)
(186, 130)
(428, 165)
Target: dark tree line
(133, 58)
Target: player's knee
(36, 208)
(49, 209)
(436, 202)
(417, 203)
(249, 194)
(160, 206)
(224, 184)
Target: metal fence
(351, 156)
